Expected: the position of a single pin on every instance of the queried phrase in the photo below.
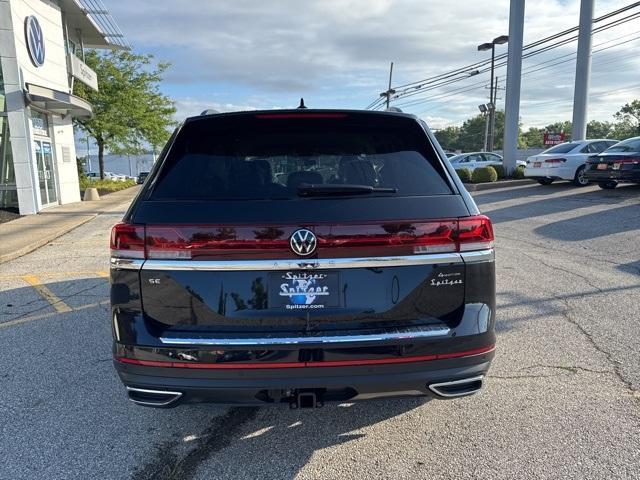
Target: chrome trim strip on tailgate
(126, 263)
(297, 264)
(479, 256)
(424, 332)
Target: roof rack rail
(209, 111)
(394, 109)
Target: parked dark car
(142, 176)
(302, 256)
(617, 164)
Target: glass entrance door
(46, 176)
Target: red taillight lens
(475, 233)
(629, 160)
(127, 241)
(555, 160)
(240, 242)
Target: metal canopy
(96, 25)
(55, 101)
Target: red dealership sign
(553, 138)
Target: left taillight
(127, 241)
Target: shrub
(484, 175)
(464, 174)
(518, 173)
(105, 186)
(499, 170)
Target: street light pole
(492, 97)
(492, 110)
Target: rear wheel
(610, 185)
(579, 180)
(545, 181)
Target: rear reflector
(329, 363)
(334, 241)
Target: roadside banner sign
(553, 138)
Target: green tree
(598, 129)
(448, 137)
(533, 138)
(472, 134)
(629, 116)
(129, 111)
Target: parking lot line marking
(42, 316)
(55, 301)
(86, 273)
(103, 274)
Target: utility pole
(583, 72)
(389, 91)
(514, 73)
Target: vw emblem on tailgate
(303, 242)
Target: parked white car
(565, 161)
(474, 160)
(108, 176)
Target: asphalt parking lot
(562, 399)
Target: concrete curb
(46, 238)
(479, 187)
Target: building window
(8, 191)
(40, 123)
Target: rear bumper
(281, 386)
(562, 173)
(632, 176)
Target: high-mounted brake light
(272, 116)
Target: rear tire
(579, 179)
(545, 181)
(610, 185)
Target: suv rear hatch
(221, 219)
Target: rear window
(562, 148)
(631, 145)
(252, 157)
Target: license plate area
(537, 164)
(302, 290)
(602, 166)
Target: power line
(525, 73)
(411, 88)
(528, 55)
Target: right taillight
(474, 233)
(127, 241)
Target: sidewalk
(30, 232)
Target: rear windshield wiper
(316, 190)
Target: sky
(251, 54)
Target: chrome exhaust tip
(153, 398)
(457, 388)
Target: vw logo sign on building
(303, 242)
(35, 40)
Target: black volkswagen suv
(302, 256)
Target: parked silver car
(474, 160)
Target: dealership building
(42, 44)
